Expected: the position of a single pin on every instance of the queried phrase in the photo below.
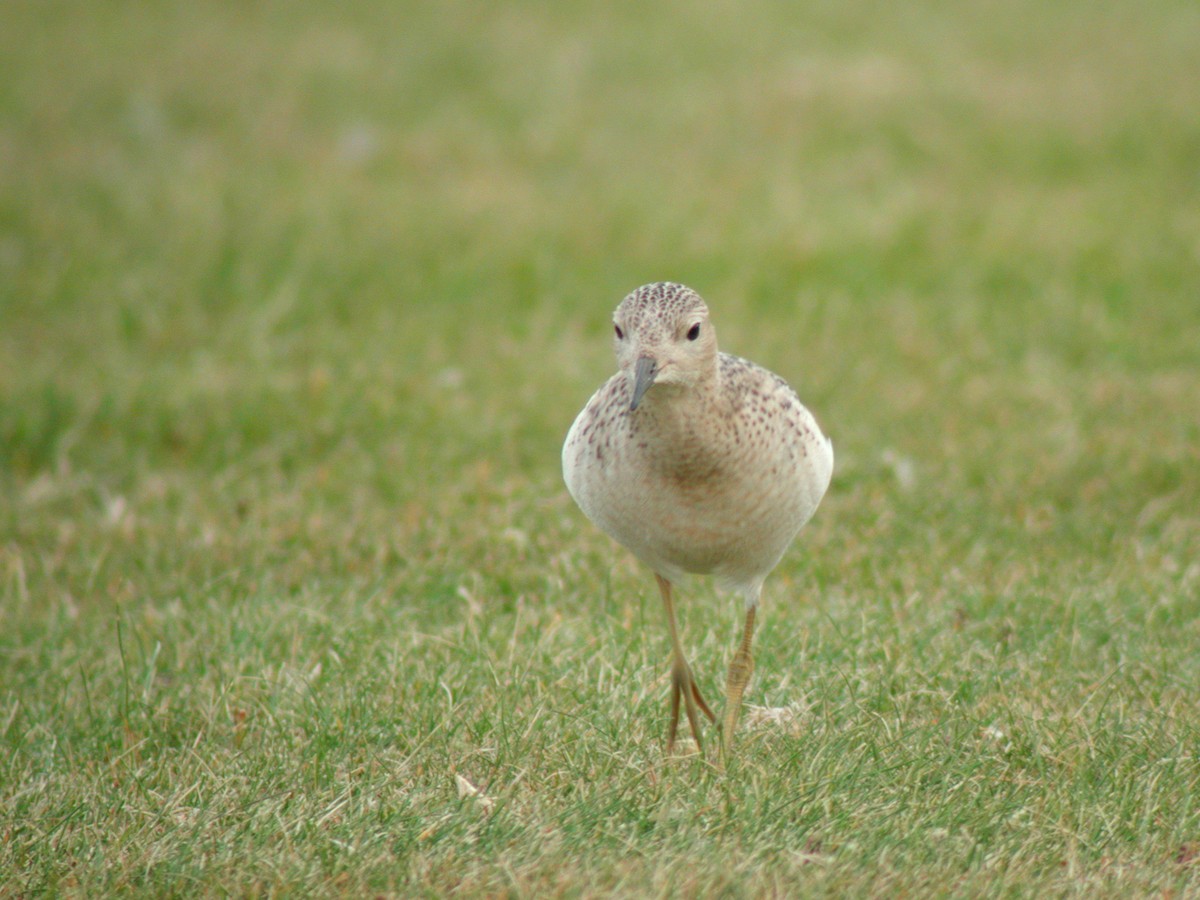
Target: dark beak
(643, 377)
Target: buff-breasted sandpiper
(698, 462)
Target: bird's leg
(741, 667)
(682, 682)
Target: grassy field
(297, 302)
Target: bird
(699, 462)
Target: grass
(297, 304)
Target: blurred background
(272, 261)
(298, 301)
(281, 282)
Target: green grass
(297, 302)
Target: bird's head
(663, 337)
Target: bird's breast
(699, 489)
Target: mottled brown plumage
(697, 461)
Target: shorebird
(698, 462)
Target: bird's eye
(693, 332)
(620, 333)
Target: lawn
(298, 300)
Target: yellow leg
(741, 667)
(682, 682)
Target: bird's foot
(741, 667)
(683, 684)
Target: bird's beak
(643, 377)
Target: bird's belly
(737, 534)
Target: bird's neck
(676, 413)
